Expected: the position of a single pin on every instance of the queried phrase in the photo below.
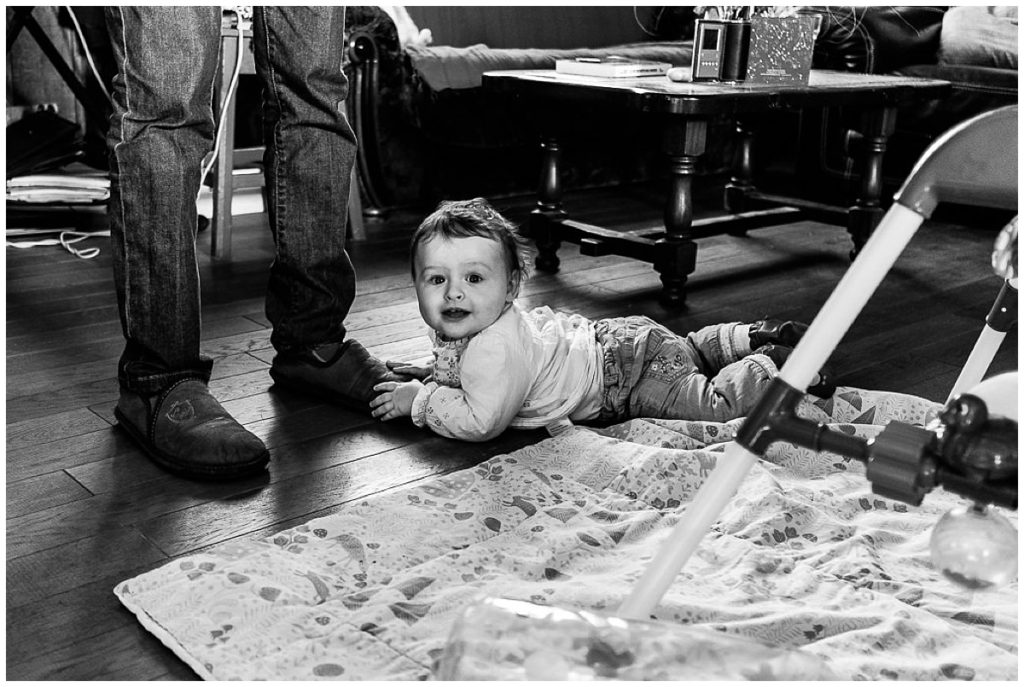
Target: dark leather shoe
(346, 376)
(824, 388)
(778, 354)
(785, 333)
(185, 430)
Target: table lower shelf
(673, 256)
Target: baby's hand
(414, 369)
(394, 399)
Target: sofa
(429, 130)
(973, 47)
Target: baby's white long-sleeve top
(529, 369)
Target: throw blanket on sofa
(804, 556)
(443, 66)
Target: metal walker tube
(855, 288)
(968, 164)
(1002, 316)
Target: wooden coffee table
(683, 111)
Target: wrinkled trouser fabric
(161, 129)
(650, 371)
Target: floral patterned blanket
(805, 556)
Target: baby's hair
(476, 217)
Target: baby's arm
(495, 380)
(416, 369)
(394, 399)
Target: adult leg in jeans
(310, 151)
(161, 128)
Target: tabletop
(659, 94)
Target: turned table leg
(877, 126)
(545, 217)
(676, 254)
(742, 179)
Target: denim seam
(277, 190)
(126, 283)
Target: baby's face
(462, 284)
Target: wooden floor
(86, 510)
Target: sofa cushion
(445, 67)
(979, 35)
(877, 40)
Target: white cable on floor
(65, 239)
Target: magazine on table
(611, 66)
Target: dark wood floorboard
(85, 509)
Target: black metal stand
(22, 18)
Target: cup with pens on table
(721, 41)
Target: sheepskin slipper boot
(185, 430)
(340, 373)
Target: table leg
(742, 179)
(545, 217)
(684, 142)
(223, 191)
(876, 126)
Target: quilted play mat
(805, 556)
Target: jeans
(161, 129)
(650, 371)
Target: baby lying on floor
(497, 366)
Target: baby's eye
(435, 279)
(475, 279)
